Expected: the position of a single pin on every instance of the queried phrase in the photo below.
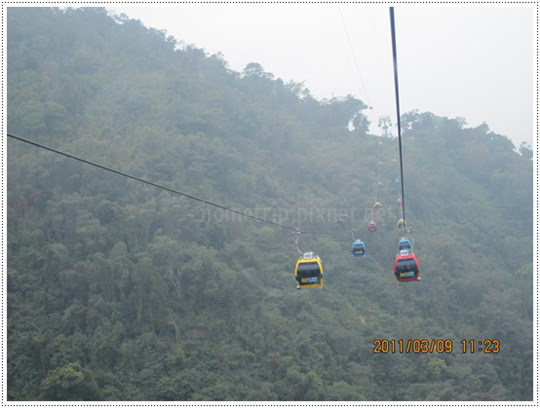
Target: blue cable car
(379, 185)
(358, 248)
(404, 243)
(397, 182)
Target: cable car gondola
(358, 248)
(401, 224)
(399, 202)
(380, 185)
(406, 267)
(308, 271)
(377, 206)
(372, 226)
(404, 243)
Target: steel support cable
(295, 230)
(360, 225)
(398, 185)
(357, 65)
(376, 198)
(379, 53)
(372, 211)
(296, 242)
(396, 170)
(340, 42)
(297, 233)
(394, 55)
(378, 181)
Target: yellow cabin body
(309, 272)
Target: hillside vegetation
(120, 291)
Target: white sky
(475, 62)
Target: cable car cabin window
(406, 265)
(308, 269)
(358, 250)
(309, 273)
(404, 245)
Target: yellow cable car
(377, 206)
(401, 224)
(309, 271)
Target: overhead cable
(394, 54)
(356, 61)
(170, 190)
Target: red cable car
(406, 267)
(372, 226)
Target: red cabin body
(406, 267)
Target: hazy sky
(474, 62)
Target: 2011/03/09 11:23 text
(383, 346)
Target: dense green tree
(70, 383)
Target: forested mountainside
(120, 291)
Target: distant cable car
(377, 206)
(401, 224)
(372, 226)
(399, 202)
(358, 248)
(380, 163)
(309, 271)
(397, 182)
(379, 185)
(406, 267)
(404, 243)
